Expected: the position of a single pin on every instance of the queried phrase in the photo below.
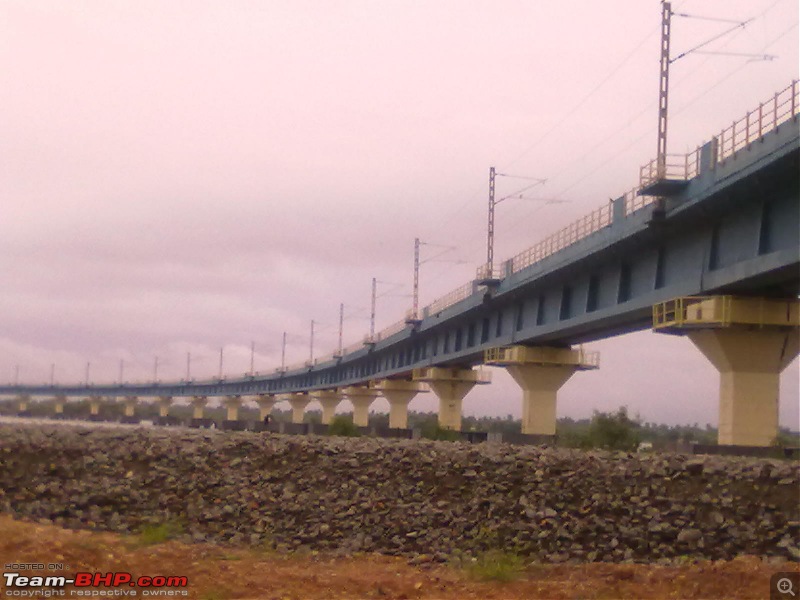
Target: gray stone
(403, 497)
(690, 536)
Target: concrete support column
(199, 406)
(265, 404)
(164, 402)
(22, 402)
(540, 385)
(94, 405)
(450, 385)
(298, 402)
(232, 404)
(451, 395)
(129, 405)
(750, 341)
(329, 399)
(361, 397)
(540, 371)
(58, 404)
(399, 393)
(749, 362)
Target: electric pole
(311, 356)
(415, 304)
(283, 353)
(372, 310)
(341, 326)
(663, 90)
(490, 229)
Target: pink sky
(183, 176)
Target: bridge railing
(676, 166)
(485, 272)
(634, 201)
(767, 117)
(326, 357)
(782, 107)
(355, 346)
(297, 366)
(574, 232)
(390, 330)
(457, 295)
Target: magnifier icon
(785, 586)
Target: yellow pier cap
(451, 384)
(680, 315)
(541, 371)
(750, 341)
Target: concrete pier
(451, 385)
(232, 405)
(298, 402)
(266, 403)
(399, 393)
(329, 400)
(540, 371)
(750, 341)
(361, 397)
(58, 405)
(164, 403)
(199, 406)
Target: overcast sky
(180, 176)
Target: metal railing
(485, 272)
(355, 346)
(677, 166)
(586, 359)
(635, 201)
(478, 375)
(724, 311)
(574, 232)
(457, 295)
(296, 366)
(693, 310)
(757, 123)
(390, 330)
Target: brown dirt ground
(228, 572)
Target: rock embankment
(421, 499)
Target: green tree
(614, 431)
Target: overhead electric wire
(741, 25)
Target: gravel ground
(420, 499)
